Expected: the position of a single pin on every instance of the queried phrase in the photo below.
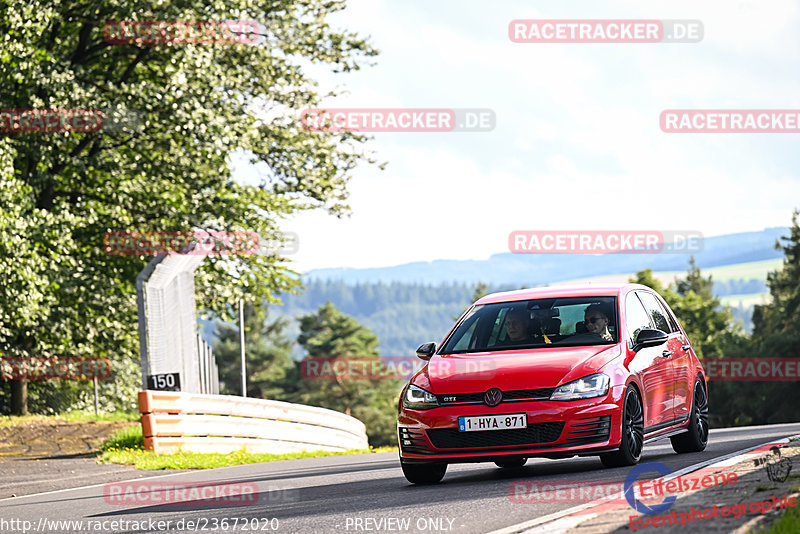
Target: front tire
(632, 443)
(696, 439)
(423, 474)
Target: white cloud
(577, 144)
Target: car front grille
(508, 396)
(536, 433)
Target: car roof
(581, 290)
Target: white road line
(183, 472)
(92, 486)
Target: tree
(710, 327)
(267, 350)
(694, 281)
(714, 335)
(480, 291)
(776, 334)
(782, 315)
(646, 278)
(194, 106)
(330, 333)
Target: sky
(577, 143)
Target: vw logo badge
(493, 397)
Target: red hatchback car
(554, 372)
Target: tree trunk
(19, 397)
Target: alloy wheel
(634, 424)
(700, 403)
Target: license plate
(492, 422)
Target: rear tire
(423, 473)
(696, 439)
(511, 463)
(632, 443)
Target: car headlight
(419, 399)
(583, 388)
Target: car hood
(513, 369)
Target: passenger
(596, 321)
(517, 325)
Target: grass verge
(126, 446)
(787, 523)
(75, 416)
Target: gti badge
(493, 397)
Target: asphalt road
(363, 493)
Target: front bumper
(555, 429)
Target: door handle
(685, 348)
(666, 353)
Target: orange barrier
(173, 421)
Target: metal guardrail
(173, 421)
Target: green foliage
(480, 291)
(403, 316)
(330, 333)
(267, 352)
(788, 523)
(776, 334)
(129, 438)
(710, 327)
(147, 460)
(646, 278)
(781, 317)
(194, 107)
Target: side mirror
(647, 337)
(426, 350)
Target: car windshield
(536, 323)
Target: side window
(636, 318)
(656, 312)
(673, 322)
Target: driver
(596, 321)
(517, 323)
